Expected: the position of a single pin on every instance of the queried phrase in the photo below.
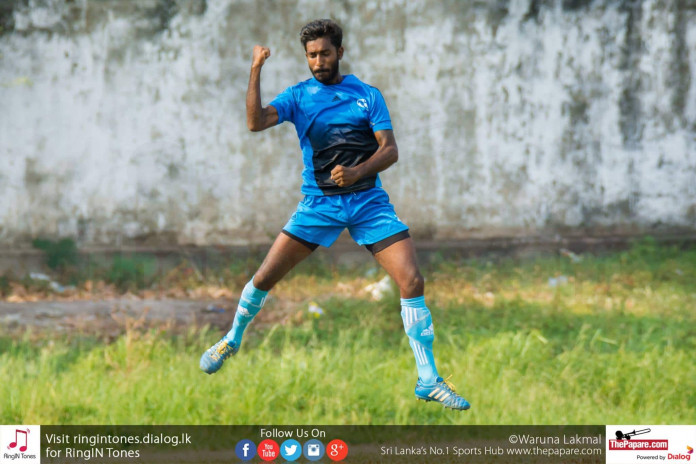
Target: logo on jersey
(362, 103)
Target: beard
(327, 76)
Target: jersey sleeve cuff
(385, 125)
(281, 113)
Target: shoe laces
(455, 399)
(449, 384)
(222, 350)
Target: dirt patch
(110, 318)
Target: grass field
(611, 340)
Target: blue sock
(250, 303)
(419, 327)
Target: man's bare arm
(386, 155)
(258, 118)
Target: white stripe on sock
(421, 351)
(416, 352)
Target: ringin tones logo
(16, 443)
(20, 444)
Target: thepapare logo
(638, 445)
(20, 444)
(624, 442)
(671, 443)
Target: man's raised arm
(258, 118)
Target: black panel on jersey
(344, 146)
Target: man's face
(322, 58)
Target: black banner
(326, 444)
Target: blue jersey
(336, 125)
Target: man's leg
(285, 254)
(287, 251)
(399, 260)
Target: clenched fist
(261, 54)
(345, 176)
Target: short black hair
(322, 28)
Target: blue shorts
(367, 214)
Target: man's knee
(414, 284)
(262, 280)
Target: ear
(340, 52)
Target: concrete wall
(122, 122)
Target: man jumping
(346, 138)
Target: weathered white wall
(123, 122)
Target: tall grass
(614, 342)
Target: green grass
(614, 344)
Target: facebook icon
(245, 450)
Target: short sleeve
(379, 114)
(284, 103)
